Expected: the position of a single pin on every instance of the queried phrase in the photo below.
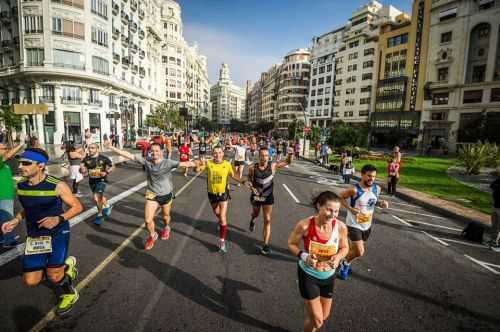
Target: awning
(28, 109)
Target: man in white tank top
(360, 201)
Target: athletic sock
(222, 231)
(75, 188)
(346, 263)
(66, 285)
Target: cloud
(246, 60)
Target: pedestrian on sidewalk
(396, 154)
(348, 169)
(75, 157)
(392, 176)
(495, 216)
(323, 151)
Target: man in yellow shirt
(218, 172)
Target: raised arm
(12, 152)
(120, 152)
(281, 163)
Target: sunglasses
(27, 163)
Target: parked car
(143, 143)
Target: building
(255, 103)
(246, 114)
(324, 48)
(185, 68)
(401, 68)
(270, 84)
(293, 88)
(355, 62)
(227, 99)
(463, 76)
(94, 63)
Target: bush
(473, 157)
(492, 155)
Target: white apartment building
(227, 100)
(355, 70)
(94, 63)
(185, 68)
(293, 87)
(321, 99)
(463, 74)
(255, 102)
(270, 93)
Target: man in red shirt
(185, 153)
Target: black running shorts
(311, 288)
(261, 200)
(355, 234)
(215, 198)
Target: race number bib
(38, 245)
(95, 173)
(150, 195)
(364, 218)
(322, 252)
(259, 198)
(216, 179)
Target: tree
(348, 134)
(207, 124)
(11, 121)
(238, 126)
(165, 117)
(295, 129)
(264, 127)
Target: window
(486, 4)
(443, 74)
(313, 83)
(350, 91)
(33, 24)
(495, 94)
(448, 14)
(320, 92)
(364, 101)
(338, 82)
(354, 44)
(34, 56)
(364, 113)
(69, 59)
(327, 101)
(369, 51)
(325, 111)
(328, 79)
(473, 96)
(353, 56)
(320, 102)
(321, 80)
(397, 40)
(71, 92)
(68, 28)
(322, 69)
(478, 73)
(338, 71)
(99, 36)
(313, 93)
(438, 116)
(99, 7)
(315, 71)
(367, 88)
(446, 37)
(100, 65)
(368, 64)
(351, 79)
(93, 96)
(440, 98)
(72, 3)
(352, 67)
(367, 76)
(359, 21)
(313, 102)
(56, 25)
(329, 68)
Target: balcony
(141, 14)
(135, 68)
(133, 48)
(142, 54)
(71, 66)
(68, 100)
(125, 18)
(94, 102)
(142, 34)
(116, 57)
(142, 71)
(5, 16)
(113, 106)
(46, 99)
(116, 33)
(133, 26)
(126, 61)
(115, 8)
(133, 5)
(15, 12)
(125, 41)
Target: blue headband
(34, 156)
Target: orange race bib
(322, 252)
(364, 218)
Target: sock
(346, 263)
(75, 188)
(167, 228)
(66, 285)
(222, 231)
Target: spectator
(397, 154)
(316, 150)
(392, 176)
(495, 216)
(348, 168)
(343, 160)
(296, 149)
(324, 154)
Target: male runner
(362, 200)
(202, 149)
(185, 154)
(261, 175)
(46, 252)
(98, 167)
(160, 188)
(218, 172)
(239, 158)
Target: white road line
(404, 204)
(483, 264)
(434, 225)
(490, 264)
(52, 313)
(420, 214)
(464, 243)
(291, 194)
(436, 239)
(402, 221)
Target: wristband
(304, 256)
(61, 219)
(300, 253)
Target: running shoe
(98, 221)
(222, 246)
(495, 246)
(251, 227)
(150, 241)
(66, 302)
(165, 233)
(71, 270)
(344, 271)
(265, 250)
(107, 210)
(78, 194)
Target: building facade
(270, 84)
(255, 102)
(228, 100)
(293, 88)
(463, 76)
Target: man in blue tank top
(46, 249)
(360, 201)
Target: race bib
(38, 245)
(150, 195)
(363, 218)
(95, 173)
(216, 179)
(259, 198)
(322, 252)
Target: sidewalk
(435, 204)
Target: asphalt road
(417, 274)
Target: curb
(484, 219)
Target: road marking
(483, 264)
(464, 243)
(434, 225)
(146, 315)
(420, 214)
(52, 313)
(291, 194)
(404, 204)
(402, 221)
(436, 239)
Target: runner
(325, 245)
(42, 197)
(98, 166)
(185, 153)
(261, 175)
(239, 158)
(75, 157)
(160, 188)
(202, 149)
(218, 172)
(362, 200)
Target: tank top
(263, 180)
(365, 202)
(217, 176)
(38, 202)
(184, 153)
(311, 241)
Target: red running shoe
(165, 233)
(150, 241)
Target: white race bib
(259, 198)
(38, 245)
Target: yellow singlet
(217, 176)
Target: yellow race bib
(322, 252)
(364, 218)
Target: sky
(251, 35)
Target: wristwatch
(61, 219)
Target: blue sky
(251, 35)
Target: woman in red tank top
(316, 269)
